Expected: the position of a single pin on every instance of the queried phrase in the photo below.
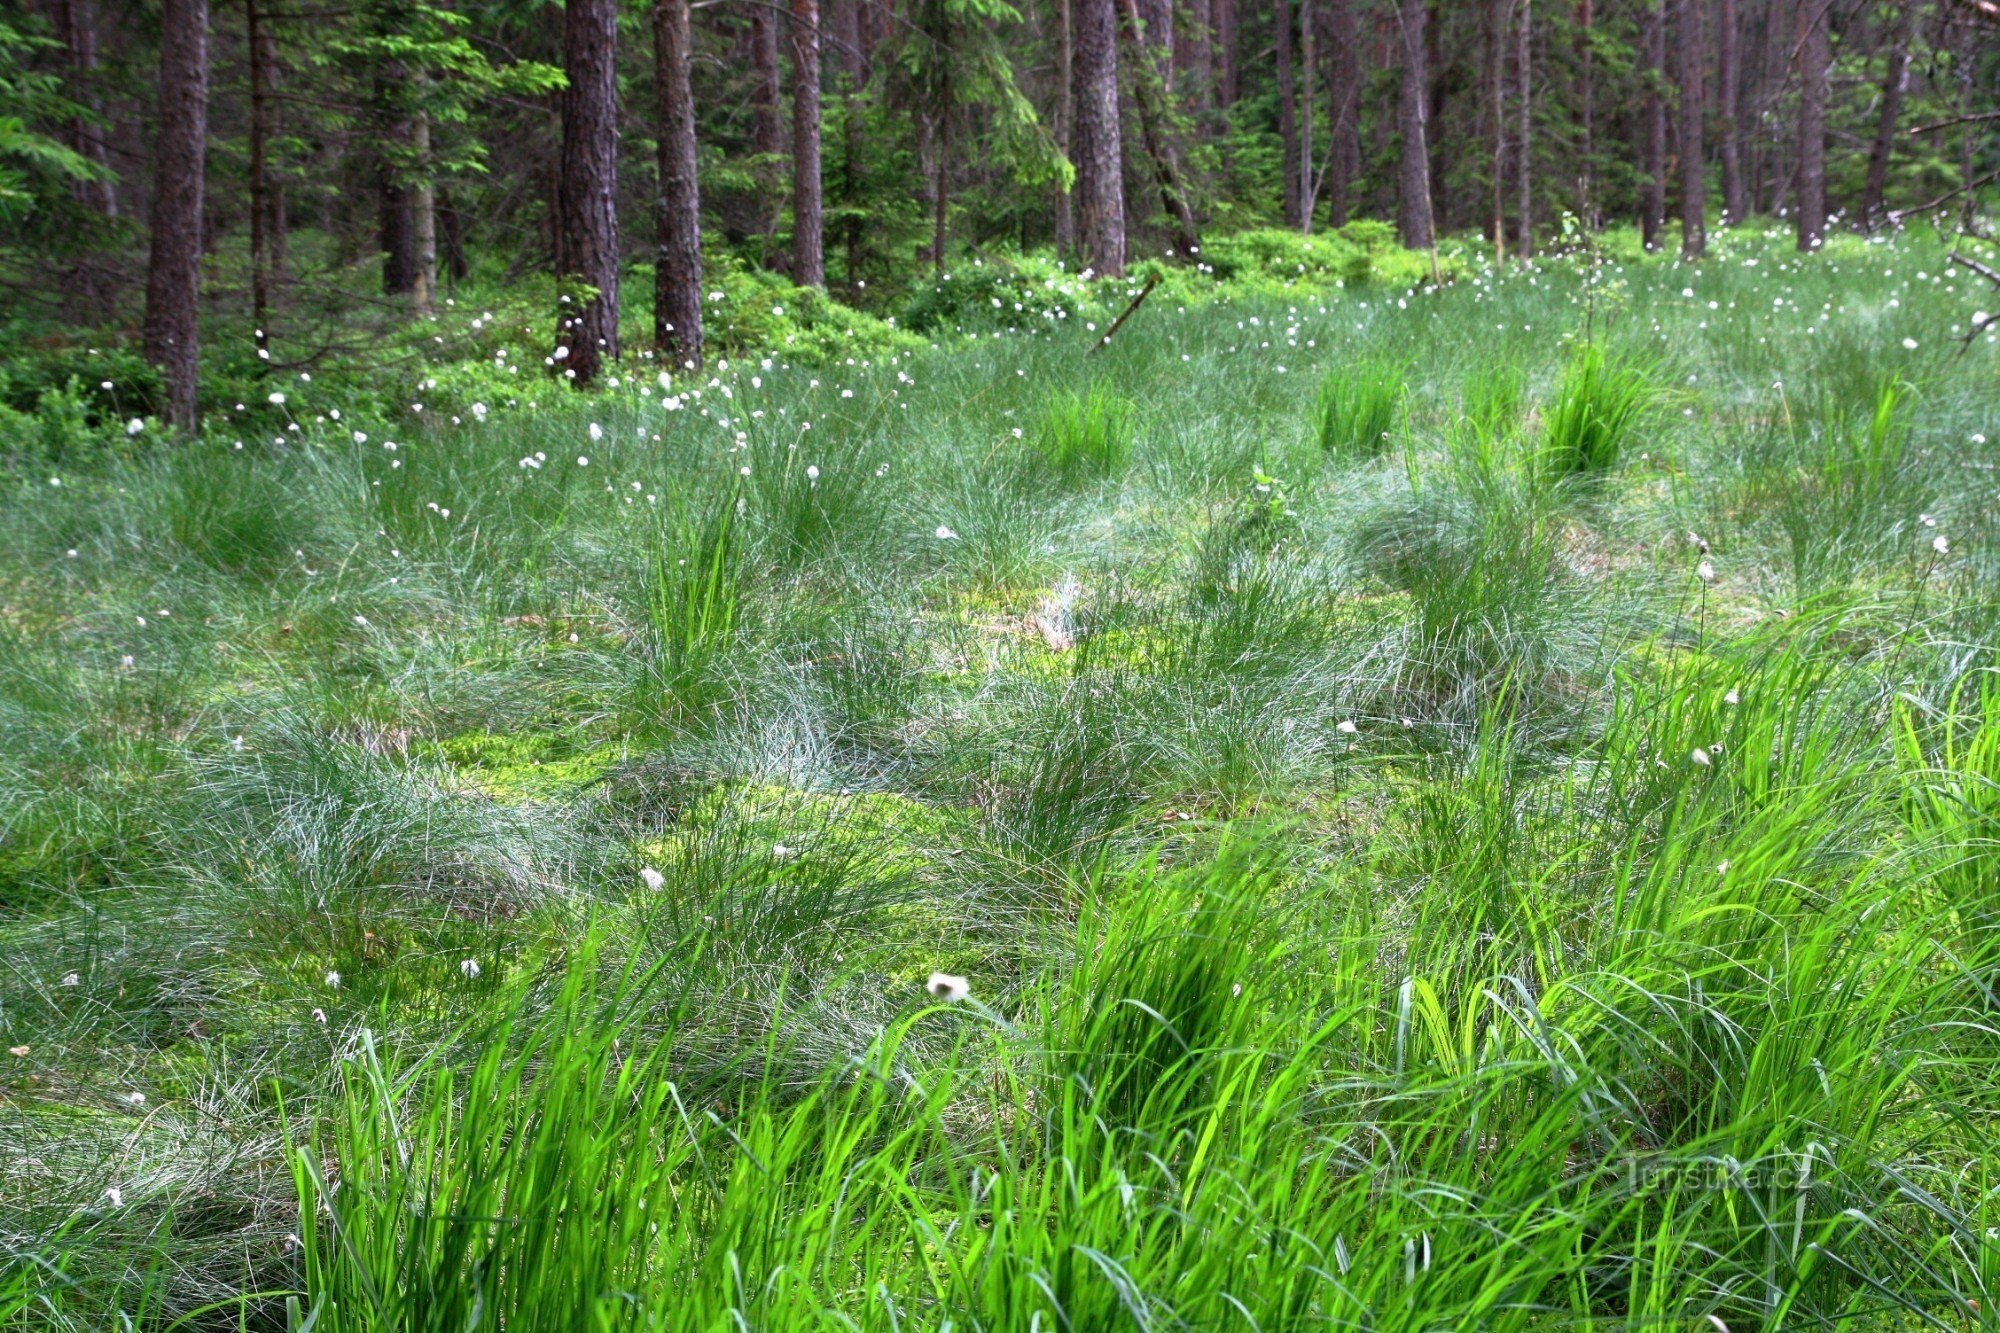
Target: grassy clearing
(1541, 871)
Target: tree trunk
(1194, 57)
(1694, 177)
(1308, 76)
(1894, 80)
(1586, 22)
(1100, 151)
(941, 181)
(173, 275)
(851, 21)
(767, 122)
(1288, 116)
(1524, 241)
(1497, 15)
(423, 217)
(1151, 95)
(1653, 125)
(589, 219)
(260, 176)
(395, 225)
(1229, 76)
(1729, 98)
(452, 227)
(808, 241)
(1156, 36)
(677, 264)
(1814, 58)
(1344, 111)
(76, 24)
(1065, 123)
(1413, 117)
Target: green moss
(522, 766)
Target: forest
(1033, 666)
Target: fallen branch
(1119, 322)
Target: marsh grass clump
(1600, 401)
(1086, 435)
(1358, 407)
(694, 602)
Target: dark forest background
(292, 174)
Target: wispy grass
(1537, 873)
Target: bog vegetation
(1356, 805)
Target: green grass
(1540, 874)
(1357, 410)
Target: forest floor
(1405, 808)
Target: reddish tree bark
(588, 335)
(677, 263)
(1100, 147)
(808, 214)
(1814, 58)
(1413, 118)
(1693, 57)
(173, 272)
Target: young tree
(1413, 116)
(1653, 124)
(1729, 96)
(588, 255)
(1814, 60)
(173, 275)
(677, 263)
(808, 239)
(1694, 192)
(1099, 149)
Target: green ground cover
(1462, 806)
